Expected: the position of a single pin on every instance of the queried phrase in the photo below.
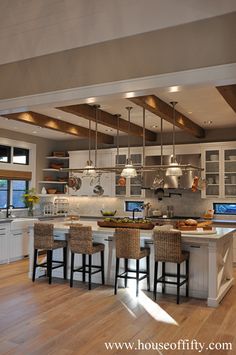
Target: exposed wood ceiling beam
(160, 108)
(107, 119)
(37, 119)
(229, 94)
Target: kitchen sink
(20, 223)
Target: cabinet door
(3, 244)
(230, 172)
(212, 172)
(16, 246)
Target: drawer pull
(195, 246)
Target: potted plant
(30, 198)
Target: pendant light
(89, 170)
(174, 169)
(129, 171)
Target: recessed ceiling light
(34, 132)
(108, 130)
(174, 89)
(154, 126)
(15, 127)
(190, 112)
(90, 100)
(130, 94)
(208, 123)
(59, 117)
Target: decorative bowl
(108, 213)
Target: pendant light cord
(118, 138)
(96, 133)
(174, 103)
(89, 141)
(161, 141)
(144, 136)
(129, 109)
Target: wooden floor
(55, 319)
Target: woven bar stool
(127, 243)
(44, 240)
(80, 242)
(167, 248)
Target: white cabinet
(133, 187)
(4, 238)
(219, 170)
(19, 238)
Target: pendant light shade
(89, 170)
(174, 169)
(129, 170)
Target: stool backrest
(43, 236)
(127, 243)
(167, 246)
(80, 239)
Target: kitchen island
(211, 263)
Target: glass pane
(120, 190)
(135, 190)
(17, 199)
(136, 158)
(212, 155)
(5, 153)
(121, 159)
(3, 185)
(20, 156)
(3, 199)
(19, 185)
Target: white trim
(215, 75)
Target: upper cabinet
(220, 170)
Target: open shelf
(53, 182)
(57, 158)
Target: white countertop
(102, 231)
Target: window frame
(9, 156)
(27, 155)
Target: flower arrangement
(30, 198)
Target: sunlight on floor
(151, 307)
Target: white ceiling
(201, 104)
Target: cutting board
(199, 231)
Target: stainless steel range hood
(172, 182)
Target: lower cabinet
(4, 245)
(19, 244)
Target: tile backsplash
(189, 204)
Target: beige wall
(193, 45)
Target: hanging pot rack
(139, 168)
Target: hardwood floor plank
(42, 319)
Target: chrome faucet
(8, 211)
(135, 210)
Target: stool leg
(178, 282)
(102, 266)
(148, 273)
(163, 276)
(90, 270)
(49, 266)
(84, 267)
(155, 280)
(137, 276)
(34, 264)
(65, 262)
(72, 269)
(117, 272)
(126, 270)
(187, 276)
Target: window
(4, 193)
(19, 187)
(11, 192)
(20, 156)
(5, 154)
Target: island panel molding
(160, 108)
(107, 119)
(38, 119)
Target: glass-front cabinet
(128, 187)
(230, 172)
(219, 171)
(212, 172)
